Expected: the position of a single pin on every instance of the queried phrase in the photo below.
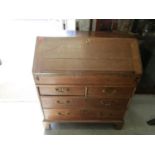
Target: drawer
(104, 103)
(62, 114)
(82, 114)
(62, 102)
(101, 114)
(108, 79)
(61, 90)
(110, 92)
(74, 102)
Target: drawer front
(62, 102)
(61, 90)
(111, 79)
(82, 114)
(74, 102)
(110, 92)
(62, 114)
(117, 104)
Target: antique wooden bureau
(86, 78)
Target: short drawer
(74, 102)
(62, 102)
(110, 92)
(101, 114)
(107, 103)
(62, 114)
(82, 114)
(61, 90)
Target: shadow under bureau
(86, 78)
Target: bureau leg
(47, 125)
(119, 126)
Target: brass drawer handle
(67, 101)
(103, 114)
(59, 113)
(103, 90)
(61, 102)
(109, 90)
(105, 104)
(61, 89)
(62, 114)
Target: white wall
(16, 52)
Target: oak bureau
(86, 78)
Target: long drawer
(82, 114)
(64, 102)
(61, 90)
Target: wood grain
(84, 53)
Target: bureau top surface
(86, 53)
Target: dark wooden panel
(74, 102)
(61, 90)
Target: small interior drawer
(61, 90)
